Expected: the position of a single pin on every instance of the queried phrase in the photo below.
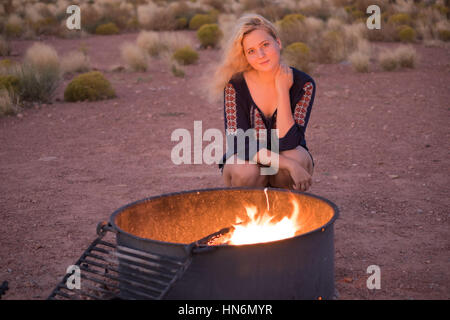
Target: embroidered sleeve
(296, 134)
(237, 125)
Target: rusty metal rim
(189, 246)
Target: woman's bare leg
(243, 175)
(283, 179)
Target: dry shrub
(39, 74)
(5, 48)
(14, 26)
(75, 61)
(331, 47)
(150, 42)
(388, 60)
(8, 103)
(134, 56)
(209, 35)
(406, 56)
(152, 17)
(155, 43)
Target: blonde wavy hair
(233, 58)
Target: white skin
(295, 165)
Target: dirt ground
(380, 142)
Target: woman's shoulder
(301, 77)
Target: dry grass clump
(75, 61)
(403, 57)
(39, 74)
(360, 58)
(134, 56)
(153, 17)
(8, 103)
(155, 43)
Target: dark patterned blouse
(241, 112)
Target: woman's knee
(302, 156)
(245, 175)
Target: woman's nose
(261, 53)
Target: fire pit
(300, 266)
(212, 244)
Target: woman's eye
(250, 51)
(266, 44)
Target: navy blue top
(241, 112)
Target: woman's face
(261, 50)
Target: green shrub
(182, 23)
(331, 47)
(406, 34)
(400, 18)
(444, 35)
(10, 82)
(89, 86)
(290, 19)
(298, 55)
(199, 20)
(185, 55)
(107, 29)
(209, 35)
(13, 30)
(6, 64)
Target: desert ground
(380, 141)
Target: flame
(261, 228)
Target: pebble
(393, 176)
(419, 211)
(19, 115)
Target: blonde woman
(263, 93)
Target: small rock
(373, 211)
(347, 280)
(9, 270)
(335, 177)
(19, 115)
(419, 211)
(393, 176)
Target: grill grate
(140, 275)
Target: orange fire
(261, 228)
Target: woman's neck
(264, 77)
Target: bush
(107, 29)
(209, 35)
(5, 48)
(39, 75)
(199, 20)
(406, 34)
(406, 56)
(185, 55)
(75, 61)
(331, 48)
(8, 104)
(388, 60)
(89, 86)
(182, 23)
(297, 55)
(444, 35)
(151, 43)
(134, 56)
(359, 61)
(400, 19)
(10, 83)
(13, 30)
(291, 19)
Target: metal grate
(108, 271)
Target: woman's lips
(265, 62)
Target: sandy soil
(380, 143)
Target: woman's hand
(301, 178)
(284, 78)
